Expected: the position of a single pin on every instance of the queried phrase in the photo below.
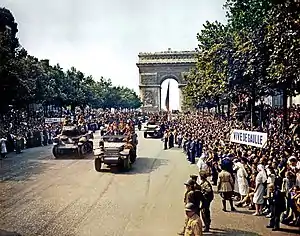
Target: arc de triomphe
(155, 68)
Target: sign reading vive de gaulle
(251, 138)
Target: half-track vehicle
(73, 140)
(116, 150)
(153, 129)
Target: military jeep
(73, 140)
(153, 130)
(114, 150)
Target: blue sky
(103, 38)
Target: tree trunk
(252, 105)
(218, 105)
(228, 108)
(61, 111)
(73, 108)
(285, 111)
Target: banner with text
(251, 138)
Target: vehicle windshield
(115, 139)
(152, 123)
(70, 131)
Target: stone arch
(170, 76)
(156, 67)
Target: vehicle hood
(113, 145)
(152, 126)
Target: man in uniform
(208, 196)
(194, 178)
(67, 121)
(193, 226)
(165, 139)
(193, 196)
(191, 151)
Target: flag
(168, 98)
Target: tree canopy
(255, 54)
(25, 79)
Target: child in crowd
(276, 200)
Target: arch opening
(173, 94)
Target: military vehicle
(153, 130)
(116, 150)
(73, 140)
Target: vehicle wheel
(133, 155)
(98, 164)
(91, 146)
(80, 151)
(145, 135)
(126, 164)
(55, 152)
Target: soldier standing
(165, 139)
(225, 186)
(193, 226)
(171, 139)
(194, 196)
(194, 178)
(208, 196)
(192, 152)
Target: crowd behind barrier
(265, 179)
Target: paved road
(43, 196)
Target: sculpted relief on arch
(148, 98)
(148, 78)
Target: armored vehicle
(116, 150)
(153, 130)
(73, 140)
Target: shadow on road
(223, 232)
(145, 165)
(23, 171)
(7, 233)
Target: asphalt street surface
(43, 196)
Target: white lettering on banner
(251, 138)
(53, 120)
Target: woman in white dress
(201, 164)
(259, 191)
(242, 182)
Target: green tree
(24, 79)
(283, 38)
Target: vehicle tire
(55, 152)
(126, 164)
(91, 146)
(80, 151)
(145, 135)
(98, 164)
(132, 155)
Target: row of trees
(256, 53)
(25, 79)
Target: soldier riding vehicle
(116, 150)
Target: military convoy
(116, 150)
(153, 129)
(73, 140)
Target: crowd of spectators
(267, 179)
(18, 131)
